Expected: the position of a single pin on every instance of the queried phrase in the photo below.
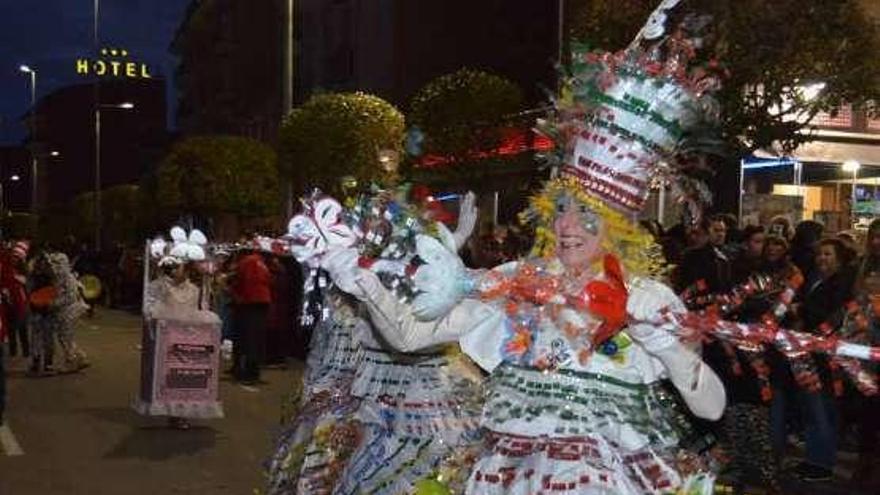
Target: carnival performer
(173, 297)
(572, 336)
(561, 413)
(56, 305)
(373, 420)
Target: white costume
(593, 427)
(166, 300)
(372, 419)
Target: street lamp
(27, 70)
(98, 107)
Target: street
(76, 434)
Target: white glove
(467, 220)
(699, 386)
(644, 303)
(441, 281)
(342, 265)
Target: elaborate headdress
(622, 122)
(624, 118)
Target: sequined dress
(373, 420)
(559, 422)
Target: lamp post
(33, 73)
(852, 166)
(98, 217)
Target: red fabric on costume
(252, 284)
(607, 299)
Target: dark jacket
(708, 264)
(822, 301)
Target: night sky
(49, 35)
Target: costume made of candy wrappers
(574, 403)
(370, 419)
(559, 418)
(182, 305)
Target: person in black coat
(803, 246)
(704, 263)
(821, 308)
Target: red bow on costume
(606, 299)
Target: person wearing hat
(14, 289)
(12, 312)
(574, 337)
(172, 296)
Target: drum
(92, 287)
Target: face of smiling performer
(578, 232)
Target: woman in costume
(371, 420)
(574, 403)
(173, 297)
(574, 338)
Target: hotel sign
(113, 63)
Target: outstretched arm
(699, 386)
(398, 322)
(403, 331)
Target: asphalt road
(76, 434)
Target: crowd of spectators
(769, 415)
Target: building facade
(63, 136)
(230, 76)
(394, 47)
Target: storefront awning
(835, 152)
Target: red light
(514, 142)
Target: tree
(124, 215)
(212, 175)
(83, 213)
(773, 50)
(465, 111)
(334, 135)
